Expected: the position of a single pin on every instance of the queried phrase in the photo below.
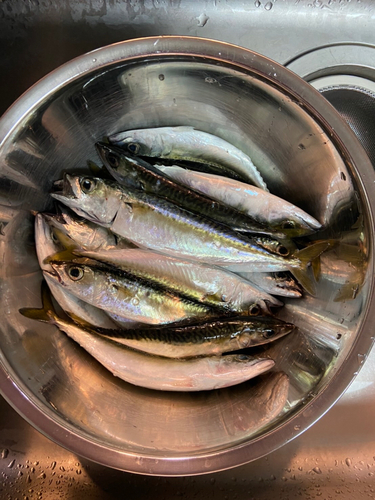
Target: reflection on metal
(320, 459)
(302, 151)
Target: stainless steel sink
(329, 43)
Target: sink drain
(345, 75)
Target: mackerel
(187, 143)
(266, 208)
(160, 225)
(134, 172)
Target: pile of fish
(163, 269)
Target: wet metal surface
(333, 459)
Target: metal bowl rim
(361, 169)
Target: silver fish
(264, 207)
(125, 295)
(160, 225)
(46, 246)
(197, 281)
(187, 143)
(155, 372)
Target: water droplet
(301, 146)
(94, 60)
(4, 453)
(209, 79)
(268, 6)
(348, 462)
(11, 463)
(361, 358)
(257, 3)
(202, 20)
(135, 301)
(161, 77)
(297, 427)
(317, 470)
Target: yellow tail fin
(64, 256)
(303, 270)
(47, 313)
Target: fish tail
(308, 258)
(316, 267)
(47, 312)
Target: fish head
(274, 329)
(263, 330)
(138, 142)
(285, 281)
(90, 197)
(124, 167)
(72, 275)
(46, 241)
(297, 226)
(284, 247)
(59, 231)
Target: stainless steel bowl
(307, 155)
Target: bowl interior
(297, 158)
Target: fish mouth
(52, 275)
(64, 187)
(53, 220)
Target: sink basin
(334, 459)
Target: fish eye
(268, 334)
(288, 224)
(254, 310)
(113, 160)
(282, 250)
(133, 148)
(87, 185)
(75, 273)
(54, 238)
